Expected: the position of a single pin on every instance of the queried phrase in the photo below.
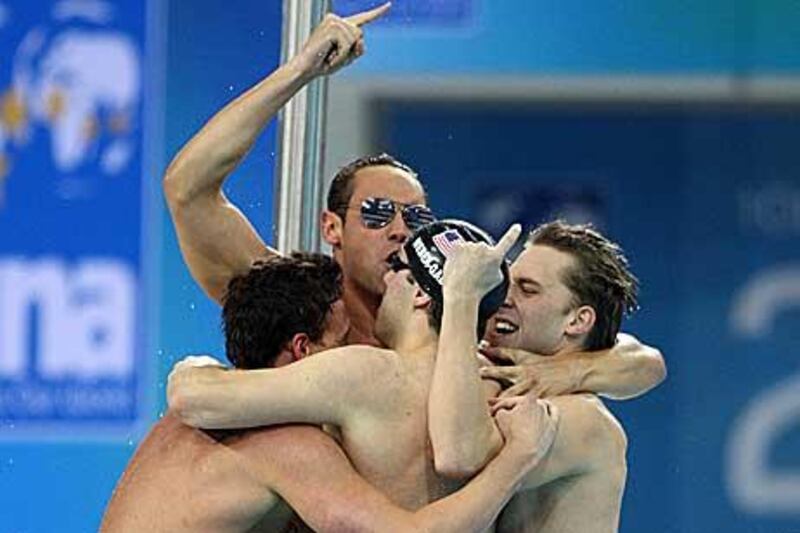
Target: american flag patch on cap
(444, 241)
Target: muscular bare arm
(334, 387)
(463, 434)
(309, 470)
(216, 240)
(627, 370)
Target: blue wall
(706, 204)
(197, 56)
(704, 198)
(582, 37)
(677, 187)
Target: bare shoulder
(591, 422)
(278, 451)
(360, 357)
(364, 351)
(283, 440)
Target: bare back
(184, 479)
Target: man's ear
(582, 321)
(300, 346)
(421, 299)
(332, 226)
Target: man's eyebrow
(521, 280)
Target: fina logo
(69, 103)
(80, 83)
(428, 260)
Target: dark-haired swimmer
(376, 399)
(185, 479)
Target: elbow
(657, 368)
(459, 462)
(185, 403)
(180, 405)
(175, 189)
(180, 184)
(462, 458)
(454, 466)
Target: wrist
(300, 69)
(519, 459)
(460, 295)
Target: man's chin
(501, 341)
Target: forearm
(320, 484)
(476, 506)
(214, 398)
(625, 371)
(463, 434)
(210, 156)
(329, 389)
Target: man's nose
(398, 231)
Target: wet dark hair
(600, 277)
(340, 191)
(279, 297)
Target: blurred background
(671, 125)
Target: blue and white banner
(71, 216)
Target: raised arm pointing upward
(216, 240)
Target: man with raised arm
(570, 288)
(373, 204)
(183, 479)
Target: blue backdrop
(96, 304)
(704, 200)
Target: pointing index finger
(365, 17)
(508, 240)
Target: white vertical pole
(298, 185)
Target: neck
(361, 309)
(416, 336)
(569, 346)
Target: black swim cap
(427, 250)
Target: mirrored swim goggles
(377, 213)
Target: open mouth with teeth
(503, 326)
